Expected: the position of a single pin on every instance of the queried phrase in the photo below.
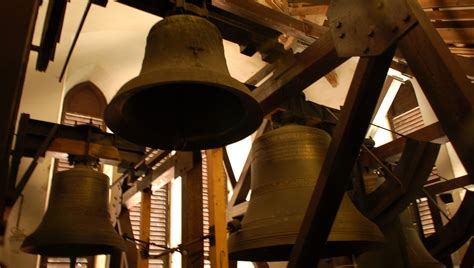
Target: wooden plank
(445, 85)
(217, 206)
(462, 50)
(145, 219)
(309, 66)
(192, 217)
(268, 17)
(308, 10)
(467, 64)
(457, 35)
(445, 3)
(14, 54)
(78, 147)
(125, 228)
(343, 150)
(449, 185)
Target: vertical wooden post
(14, 54)
(217, 207)
(342, 153)
(192, 216)
(145, 217)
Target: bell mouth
(71, 250)
(190, 115)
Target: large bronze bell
(285, 166)
(77, 221)
(403, 248)
(184, 97)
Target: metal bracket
(367, 27)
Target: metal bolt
(342, 35)
(407, 18)
(366, 50)
(338, 24)
(371, 33)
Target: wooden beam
(428, 133)
(449, 185)
(340, 158)
(125, 228)
(192, 217)
(445, 3)
(457, 35)
(217, 206)
(145, 219)
(468, 259)
(14, 54)
(412, 171)
(229, 171)
(270, 18)
(309, 66)
(445, 85)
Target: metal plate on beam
(367, 27)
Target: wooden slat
(467, 51)
(457, 35)
(445, 85)
(312, 64)
(454, 23)
(445, 3)
(342, 153)
(463, 14)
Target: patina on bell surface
(285, 166)
(184, 97)
(77, 221)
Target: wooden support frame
(217, 206)
(14, 54)
(312, 64)
(445, 85)
(192, 216)
(342, 153)
(145, 218)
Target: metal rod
(41, 150)
(450, 181)
(378, 160)
(83, 19)
(433, 201)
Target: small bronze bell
(285, 166)
(77, 221)
(184, 97)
